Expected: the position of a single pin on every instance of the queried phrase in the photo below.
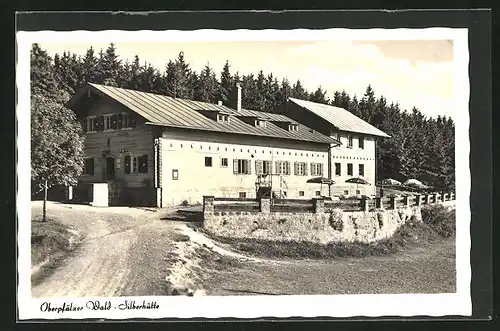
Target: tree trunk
(44, 202)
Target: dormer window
(222, 118)
(260, 123)
(293, 127)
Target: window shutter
(249, 168)
(132, 120)
(119, 121)
(235, 166)
(305, 169)
(278, 169)
(321, 169)
(295, 168)
(114, 120)
(99, 123)
(91, 166)
(258, 167)
(270, 167)
(127, 164)
(287, 167)
(143, 164)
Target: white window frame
(222, 118)
(260, 123)
(244, 167)
(361, 142)
(91, 118)
(107, 117)
(211, 161)
(335, 169)
(352, 169)
(222, 162)
(301, 168)
(293, 127)
(283, 168)
(126, 127)
(361, 165)
(350, 141)
(317, 169)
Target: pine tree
(226, 84)
(319, 96)
(43, 81)
(110, 66)
(299, 92)
(179, 79)
(207, 86)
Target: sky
(411, 72)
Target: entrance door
(110, 168)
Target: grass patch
(179, 237)
(51, 243)
(441, 219)
(438, 223)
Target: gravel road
(123, 252)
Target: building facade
(354, 157)
(158, 151)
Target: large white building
(157, 150)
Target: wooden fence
(212, 204)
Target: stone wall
(319, 227)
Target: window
(335, 135)
(223, 162)
(109, 122)
(318, 193)
(301, 193)
(361, 170)
(293, 127)
(338, 169)
(242, 195)
(242, 167)
(346, 192)
(221, 118)
(263, 167)
(175, 174)
(260, 123)
(349, 141)
(349, 169)
(91, 124)
(316, 169)
(300, 169)
(208, 161)
(358, 192)
(88, 168)
(361, 142)
(124, 121)
(283, 167)
(136, 164)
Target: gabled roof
(340, 118)
(181, 113)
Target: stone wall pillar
(364, 204)
(418, 200)
(208, 205)
(452, 196)
(378, 203)
(69, 193)
(319, 206)
(435, 198)
(426, 199)
(406, 201)
(444, 197)
(265, 205)
(392, 203)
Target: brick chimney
(236, 97)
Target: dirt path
(105, 264)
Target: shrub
(440, 219)
(185, 203)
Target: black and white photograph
(243, 173)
